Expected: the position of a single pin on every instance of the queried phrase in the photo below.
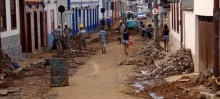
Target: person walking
(82, 37)
(102, 38)
(58, 38)
(126, 41)
(166, 37)
(102, 22)
(67, 32)
(109, 21)
(121, 30)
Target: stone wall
(11, 46)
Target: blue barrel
(59, 72)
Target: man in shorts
(82, 35)
(103, 37)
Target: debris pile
(147, 56)
(139, 62)
(5, 63)
(204, 79)
(176, 90)
(152, 50)
(112, 36)
(178, 63)
(76, 53)
(74, 64)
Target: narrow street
(173, 49)
(100, 78)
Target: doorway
(42, 29)
(36, 30)
(205, 42)
(22, 27)
(29, 38)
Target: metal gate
(205, 42)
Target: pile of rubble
(178, 63)
(112, 36)
(76, 53)
(152, 50)
(204, 79)
(147, 56)
(74, 64)
(5, 63)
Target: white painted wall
(189, 30)
(203, 7)
(48, 8)
(9, 31)
(174, 36)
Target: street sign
(102, 10)
(61, 8)
(155, 11)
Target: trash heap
(5, 63)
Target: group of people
(123, 38)
(108, 21)
(147, 32)
(62, 41)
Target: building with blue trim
(84, 12)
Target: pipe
(181, 25)
(155, 24)
(215, 43)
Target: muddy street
(100, 78)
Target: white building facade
(10, 29)
(192, 26)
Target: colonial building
(25, 26)
(10, 28)
(191, 26)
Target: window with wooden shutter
(2, 16)
(13, 14)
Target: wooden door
(205, 42)
(36, 30)
(29, 38)
(42, 29)
(46, 26)
(22, 27)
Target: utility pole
(155, 24)
(215, 43)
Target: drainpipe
(215, 44)
(181, 25)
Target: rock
(217, 94)
(14, 89)
(3, 92)
(136, 91)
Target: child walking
(126, 41)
